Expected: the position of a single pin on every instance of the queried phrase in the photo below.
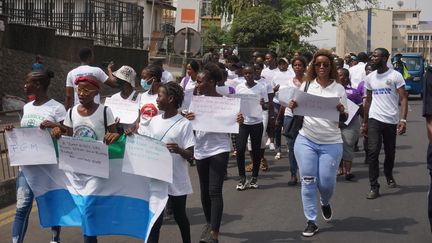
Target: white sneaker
(268, 142)
(272, 147)
(278, 155)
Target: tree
(257, 27)
(216, 36)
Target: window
(426, 37)
(410, 37)
(408, 26)
(421, 37)
(414, 26)
(415, 37)
(399, 16)
(414, 15)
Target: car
(415, 65)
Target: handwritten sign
(88, 157)
(352, 110)
(30, 146)
(285, 95)
(250, 105)
(148, 157)
(316, 106)
(126, 110)
(215, 114)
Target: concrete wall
(60, 53)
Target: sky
(326, 36)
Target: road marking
(9, 216)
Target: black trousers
(379, 133)
(255, 132)
(211, 172)
(429, 166)
(179, 211)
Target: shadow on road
(267, 236)
(359, 224)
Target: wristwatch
(403, 120)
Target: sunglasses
(323, 64)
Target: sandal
(263, 165)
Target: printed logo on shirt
(84, 131)
(388, 81)
(382, 91)
(148, 111)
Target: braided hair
(176, 91)
(43, 77)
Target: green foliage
(257, 27)
(216, 36)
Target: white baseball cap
(127, 74)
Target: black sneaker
(310, 230)
(242, 184)
(326, 212)
(205, 233)
(373, 194)
(391, 183)
(253, 183)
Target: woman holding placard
(42, 112)
(253, 127)
(211, 153)
(318, 146)
(285, 116)
(176, 132)
(88, 120)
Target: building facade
(398, 30)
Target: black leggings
(255, 132)
(211, 172)
(179, 211)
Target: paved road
(273, 213)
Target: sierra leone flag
(124, 204)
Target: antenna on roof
(400, 3)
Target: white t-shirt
(225, 90)
(188, 92)
(85, 70)
(176, 129)
(269, 74)
(235, 82)
(34, 115)
(357, 74)
(267, 84)
(89, 126)
(385, 97)
(323, 131)
(166, 77)
(208, 144)
(231, 74)
(281, 79)
(148, 109)
(288, 111)
(258, 89)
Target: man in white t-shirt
(385, 89)
(86, 57)
(357, 72)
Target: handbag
(297, 121)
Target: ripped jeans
(318, 164)
(23, 208)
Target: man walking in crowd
(385, 89)
(86, 57)
(427, 113)
(357, 72)
(400, 66)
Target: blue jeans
(318, 164)
(23, 208)
(290, 142)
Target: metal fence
(108, 22)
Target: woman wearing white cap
(126, 79)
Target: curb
(7, 192)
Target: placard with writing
(126, 110)
(30, 146)
(316, 106)
(88, 157)
(215, 114)
(148, 157)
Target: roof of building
(406, 10)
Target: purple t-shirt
(354, 94)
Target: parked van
(415, 65)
